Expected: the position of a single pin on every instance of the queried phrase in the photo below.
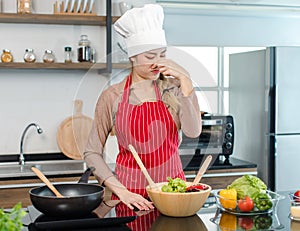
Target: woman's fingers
(134, 200)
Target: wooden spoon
(202, 170)
(46, 181)
(141, 165)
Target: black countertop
(208, 218)
(193, 162)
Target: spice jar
(48, 57)
(68, 54)
(6, 56)
(24, 6)
(84, 49)
(29, 56)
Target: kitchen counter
(16, 181)
(208, 218)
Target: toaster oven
(217, 136)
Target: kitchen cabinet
(61, 19)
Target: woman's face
(144, 64)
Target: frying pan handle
(85, 176)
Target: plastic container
(84, 49)
(29, 56)
(6, 56)
(48, 57)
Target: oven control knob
(228, 126)
(228, 145)
(228, 135)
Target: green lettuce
(248, 185)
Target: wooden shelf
(61, 66)
(54, 19)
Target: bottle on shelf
(29, 56)
(48, 56)
(6, 56)
(84, 49)
(68, 54)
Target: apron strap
(125, 96)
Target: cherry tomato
(195, 188)
(297, 195)
(245, 222)
(246, 204)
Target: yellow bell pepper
(228, 198)
(228, 222)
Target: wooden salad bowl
(177, 204)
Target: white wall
(43, 96)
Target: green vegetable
(248, 185)
(174, 185)
(262, 202)
(12, 221)
(263, 222)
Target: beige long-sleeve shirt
(187, 119)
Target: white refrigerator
(264, 96)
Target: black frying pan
(79, 199)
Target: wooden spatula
(141, 165)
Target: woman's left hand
(168, 67)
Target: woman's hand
(168, 67)
(133, 200)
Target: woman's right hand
(133, 200)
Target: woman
(147, 109)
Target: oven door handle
(212, 122)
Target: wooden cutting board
(73, 132)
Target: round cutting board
(73, 132)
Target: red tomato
(245, 222)
(246, 204)
(195, 188)
(297, 195)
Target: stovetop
(36, 221)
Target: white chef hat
(142, 29)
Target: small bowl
(177, 204)
(295, 207)
(232, 205)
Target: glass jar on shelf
(6, 56)
(68, 54)
(84, 49)
(29, 56)
(48, 57)
(24, 6)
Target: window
(210, 75)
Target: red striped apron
(150, 128)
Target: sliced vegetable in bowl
(177, 185)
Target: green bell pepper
(262, 202)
